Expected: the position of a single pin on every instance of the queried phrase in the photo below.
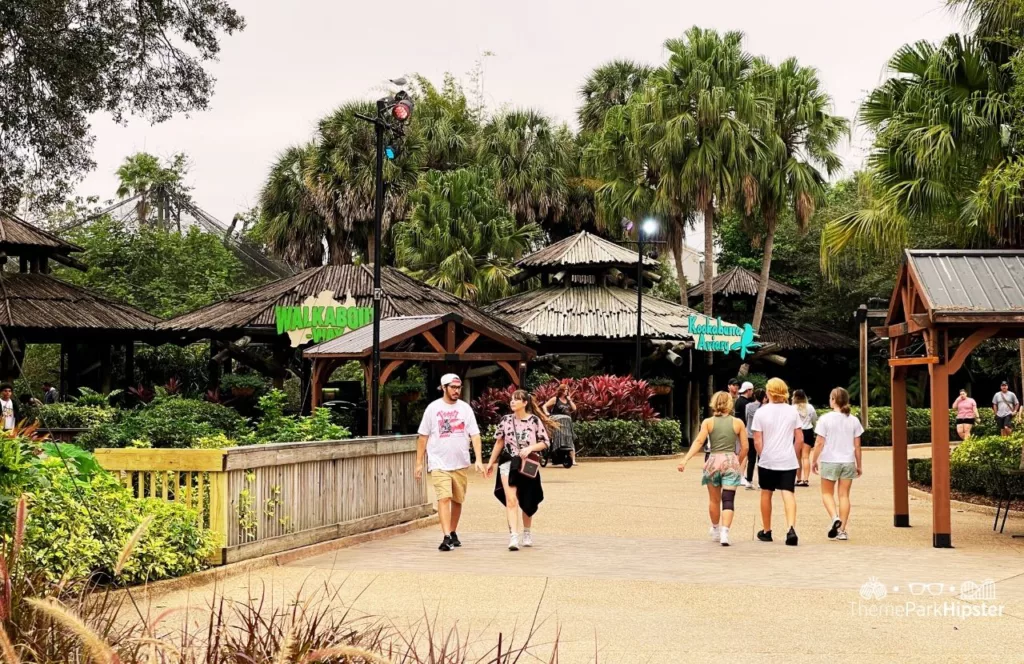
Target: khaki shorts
(450, 484)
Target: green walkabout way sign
(715, 336)
(320, 318)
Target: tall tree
(611, 85)
(799, 142)
(460, 237)
(142, 174)
(64, 60)
(290, 224)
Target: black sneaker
(764, 536)
(791, 538)
(454, 539)
(446, 544)
(834, 530)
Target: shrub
(243, 381)
(596, 398)
(76, 530)
(920, 471)
(276, 427)
(166, 422)
(627, 437)
(882, 436)
(73, 416)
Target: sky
(297, 60)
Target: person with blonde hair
(723, 468)
(808, 418)
(838, 453)
(520, 436)
(777, 437)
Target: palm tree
(446, 125)
(799, 142)
(610, 85)
(291, 226)
(699, 110)
(142, 175)
(460, 237)
(529, 159)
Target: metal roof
(960, 281)
(583, 249)
(596, 311)
(361, 341)
(740, 281)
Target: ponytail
(842, 399)
(534, 409)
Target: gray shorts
(505, 468)
(838, 471)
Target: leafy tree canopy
(62, 60)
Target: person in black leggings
(760, 397)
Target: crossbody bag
(528, 467)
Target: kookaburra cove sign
(715, 336)
(320, 318)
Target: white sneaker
(724, 537)
(513, 542)
(527, 538)
(842, 536)
(750, 485)
(744, 482)
(715, 534)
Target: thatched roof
(403, 296)
(788, 334)
(739, 281)
(40, 301)
(17, 234)
(582, 250)
(596, 311)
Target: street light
(392, 112)
(648, 227)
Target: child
(838, 451)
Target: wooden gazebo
(449, 339)
(944, 298)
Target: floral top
(517, 434)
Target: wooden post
(106, 368)
(219, 513)
(213, 367)
(62, 385)
(900, 492)
(864, 372)
(129, 364)
(941, 536)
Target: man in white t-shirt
(8, 407)
(445, 432)
(777, 436)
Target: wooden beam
(467, 342)
(968, 345)
(941, 535)
(432, 340)
(450, 341)
(386, 372)
(913, 361)
(450, 357)
(900, 490)
(511, 372)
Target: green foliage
(276, 427)
(414, 381)
(460, 237)
(77, 529)
(243, 381)
(627, 437)
(920, 471)
(73, 416)
(215, 442)
(166, 422)
(91, 398)
(156, 365)
(162, 273)
(535, 379)
(660, 380)
(972, 463)
(64, 63)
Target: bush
(77, 529)
(627, 437)
(166, 422)
(920, 471)
(596, 398)
(276, 427)
(73, 416)
(882, 436)
(243, 381)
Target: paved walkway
(623, 572)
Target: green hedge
(971, 463)
(166, 422)
(73, 416)
(627, 437)
(880, 417)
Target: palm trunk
(762, 288)
(678, 239)
(709, 270)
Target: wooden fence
(263, 499)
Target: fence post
(219, 514)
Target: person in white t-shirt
(445, 432)
(838, 453)
(8, 407)
(777, 436)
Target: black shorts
(809, 437)
(776, 480)
(1005, 421)
(965, 420)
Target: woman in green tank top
(722, 470)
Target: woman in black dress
(562, 404)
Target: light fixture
(650, 226)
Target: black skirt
(528, 489)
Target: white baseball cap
(746, 386)
(450, 379)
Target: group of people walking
(1005, 407)
(786, 442)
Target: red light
(401, 111)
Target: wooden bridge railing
(263, 499)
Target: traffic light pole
(378, 295)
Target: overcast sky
(297, 60)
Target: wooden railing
(264, 499)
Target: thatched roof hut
(740, 282)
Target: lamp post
(650, 227)
(392, 113)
